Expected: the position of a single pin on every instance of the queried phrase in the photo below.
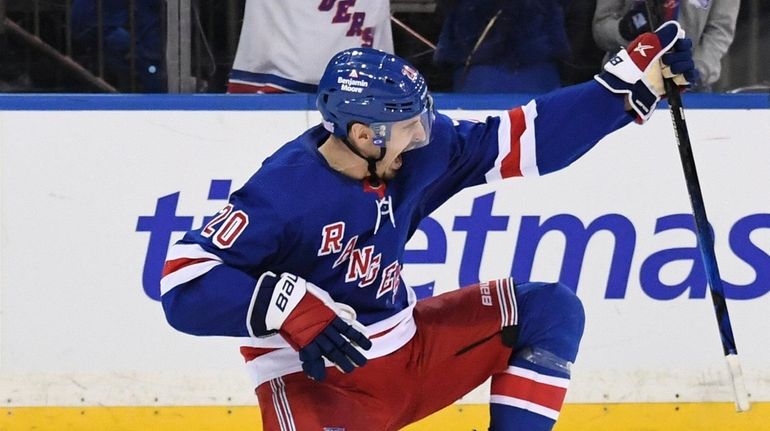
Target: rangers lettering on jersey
(363, 266)
(363, 263)
(332, 238)
(391, 279)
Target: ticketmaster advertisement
(90, 201)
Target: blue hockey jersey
(297, 215)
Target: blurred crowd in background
(275, 46)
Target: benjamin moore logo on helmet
(352, 85)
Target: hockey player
(304, 262)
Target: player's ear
(361, 134)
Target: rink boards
(93, 189)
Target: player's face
(404, 136)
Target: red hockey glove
(637, 71)
(316, 326)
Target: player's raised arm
(555, 129)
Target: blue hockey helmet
(364, 85)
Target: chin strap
(374, 180)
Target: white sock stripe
(537, 377)
(514, 304)
(501, 304)
(511, 300)
(285, 401)
(505, 303)
(510, 308)
(278, 412)
(524, 405)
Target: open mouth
(397, 162)
(390, 167)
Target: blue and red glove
(638, 70)
(314, 325)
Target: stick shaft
(703, 230)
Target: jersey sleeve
(209, 283)
(547, 134)
(554, 130)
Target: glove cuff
(300, 311)
(274, 298)
(260, 301)
(288, 291)
(642, 99)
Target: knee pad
(551, 319)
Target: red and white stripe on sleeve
(528, 390)
(186, 262)
(516, 156)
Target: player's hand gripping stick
(316, 326)
(638, 70)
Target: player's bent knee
(574, 316)
(553, 318)
(550, 327)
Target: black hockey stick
(703, 230)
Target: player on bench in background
(304, 262)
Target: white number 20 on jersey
(226, 226)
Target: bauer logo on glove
(284, 291)
(313, 324)
(638, 71)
